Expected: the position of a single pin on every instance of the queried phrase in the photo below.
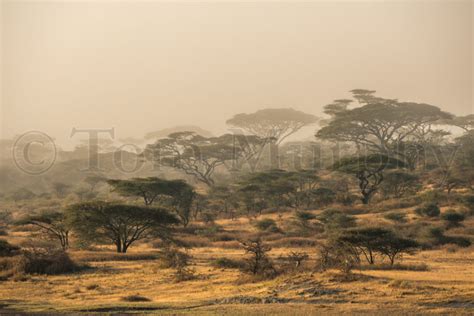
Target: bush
(208, 231)
(399, 217)
(47, 262)
(452, 218)
(295, 260)
(397, 266)
(267, 225)
(208, 218)
(292, 242)
(428, 210)
(434, 236)
(37, 261)
(335, 219)
(337, 255)
(469, 202)
(258, 264)
(226, 263)
(172, 257)
(135, 298)
(7, 249)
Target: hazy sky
(144, 66)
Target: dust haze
(145, 66)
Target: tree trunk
(365, 198)
(119, 246)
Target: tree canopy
(121, 224)
(195, 155)
(277, 124)
(369, 170)
(380, 124)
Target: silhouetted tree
(276, 124)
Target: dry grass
(135, 283)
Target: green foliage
(379, 124)
(434, 236)
(369, 170)
(176, 194)
(453, 218)
(398, 183)
(120, 224)
(369, 241)
(51, 223)
(428, 210)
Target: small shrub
(399, 217)
(468, 201)
(208, 218)
(397, 266)
(428, 210)
(267, 224)
(434, 236)
(223, 237)
(91, 287)
(208, 231)
(172, 257)
(7, 249)
(337, 255)
(47, 262)
(452, 218)
(258, 264)
(226, 263)
(335, 219)
(135, 298)
(295, 259)
(291, 242)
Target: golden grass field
(446, 288)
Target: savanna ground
(135, 282)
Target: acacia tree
(52, 223)
(381, 124)
(195, 155)
(365, 240)
(370, 241)
(464, 122)
(276, 124)
(398, 183)
(369, 170)
(175, 194)
(223, 199)
(120, 224)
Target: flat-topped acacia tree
(276, 124)
(200, 156)
(381, 125)
(121, 224)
